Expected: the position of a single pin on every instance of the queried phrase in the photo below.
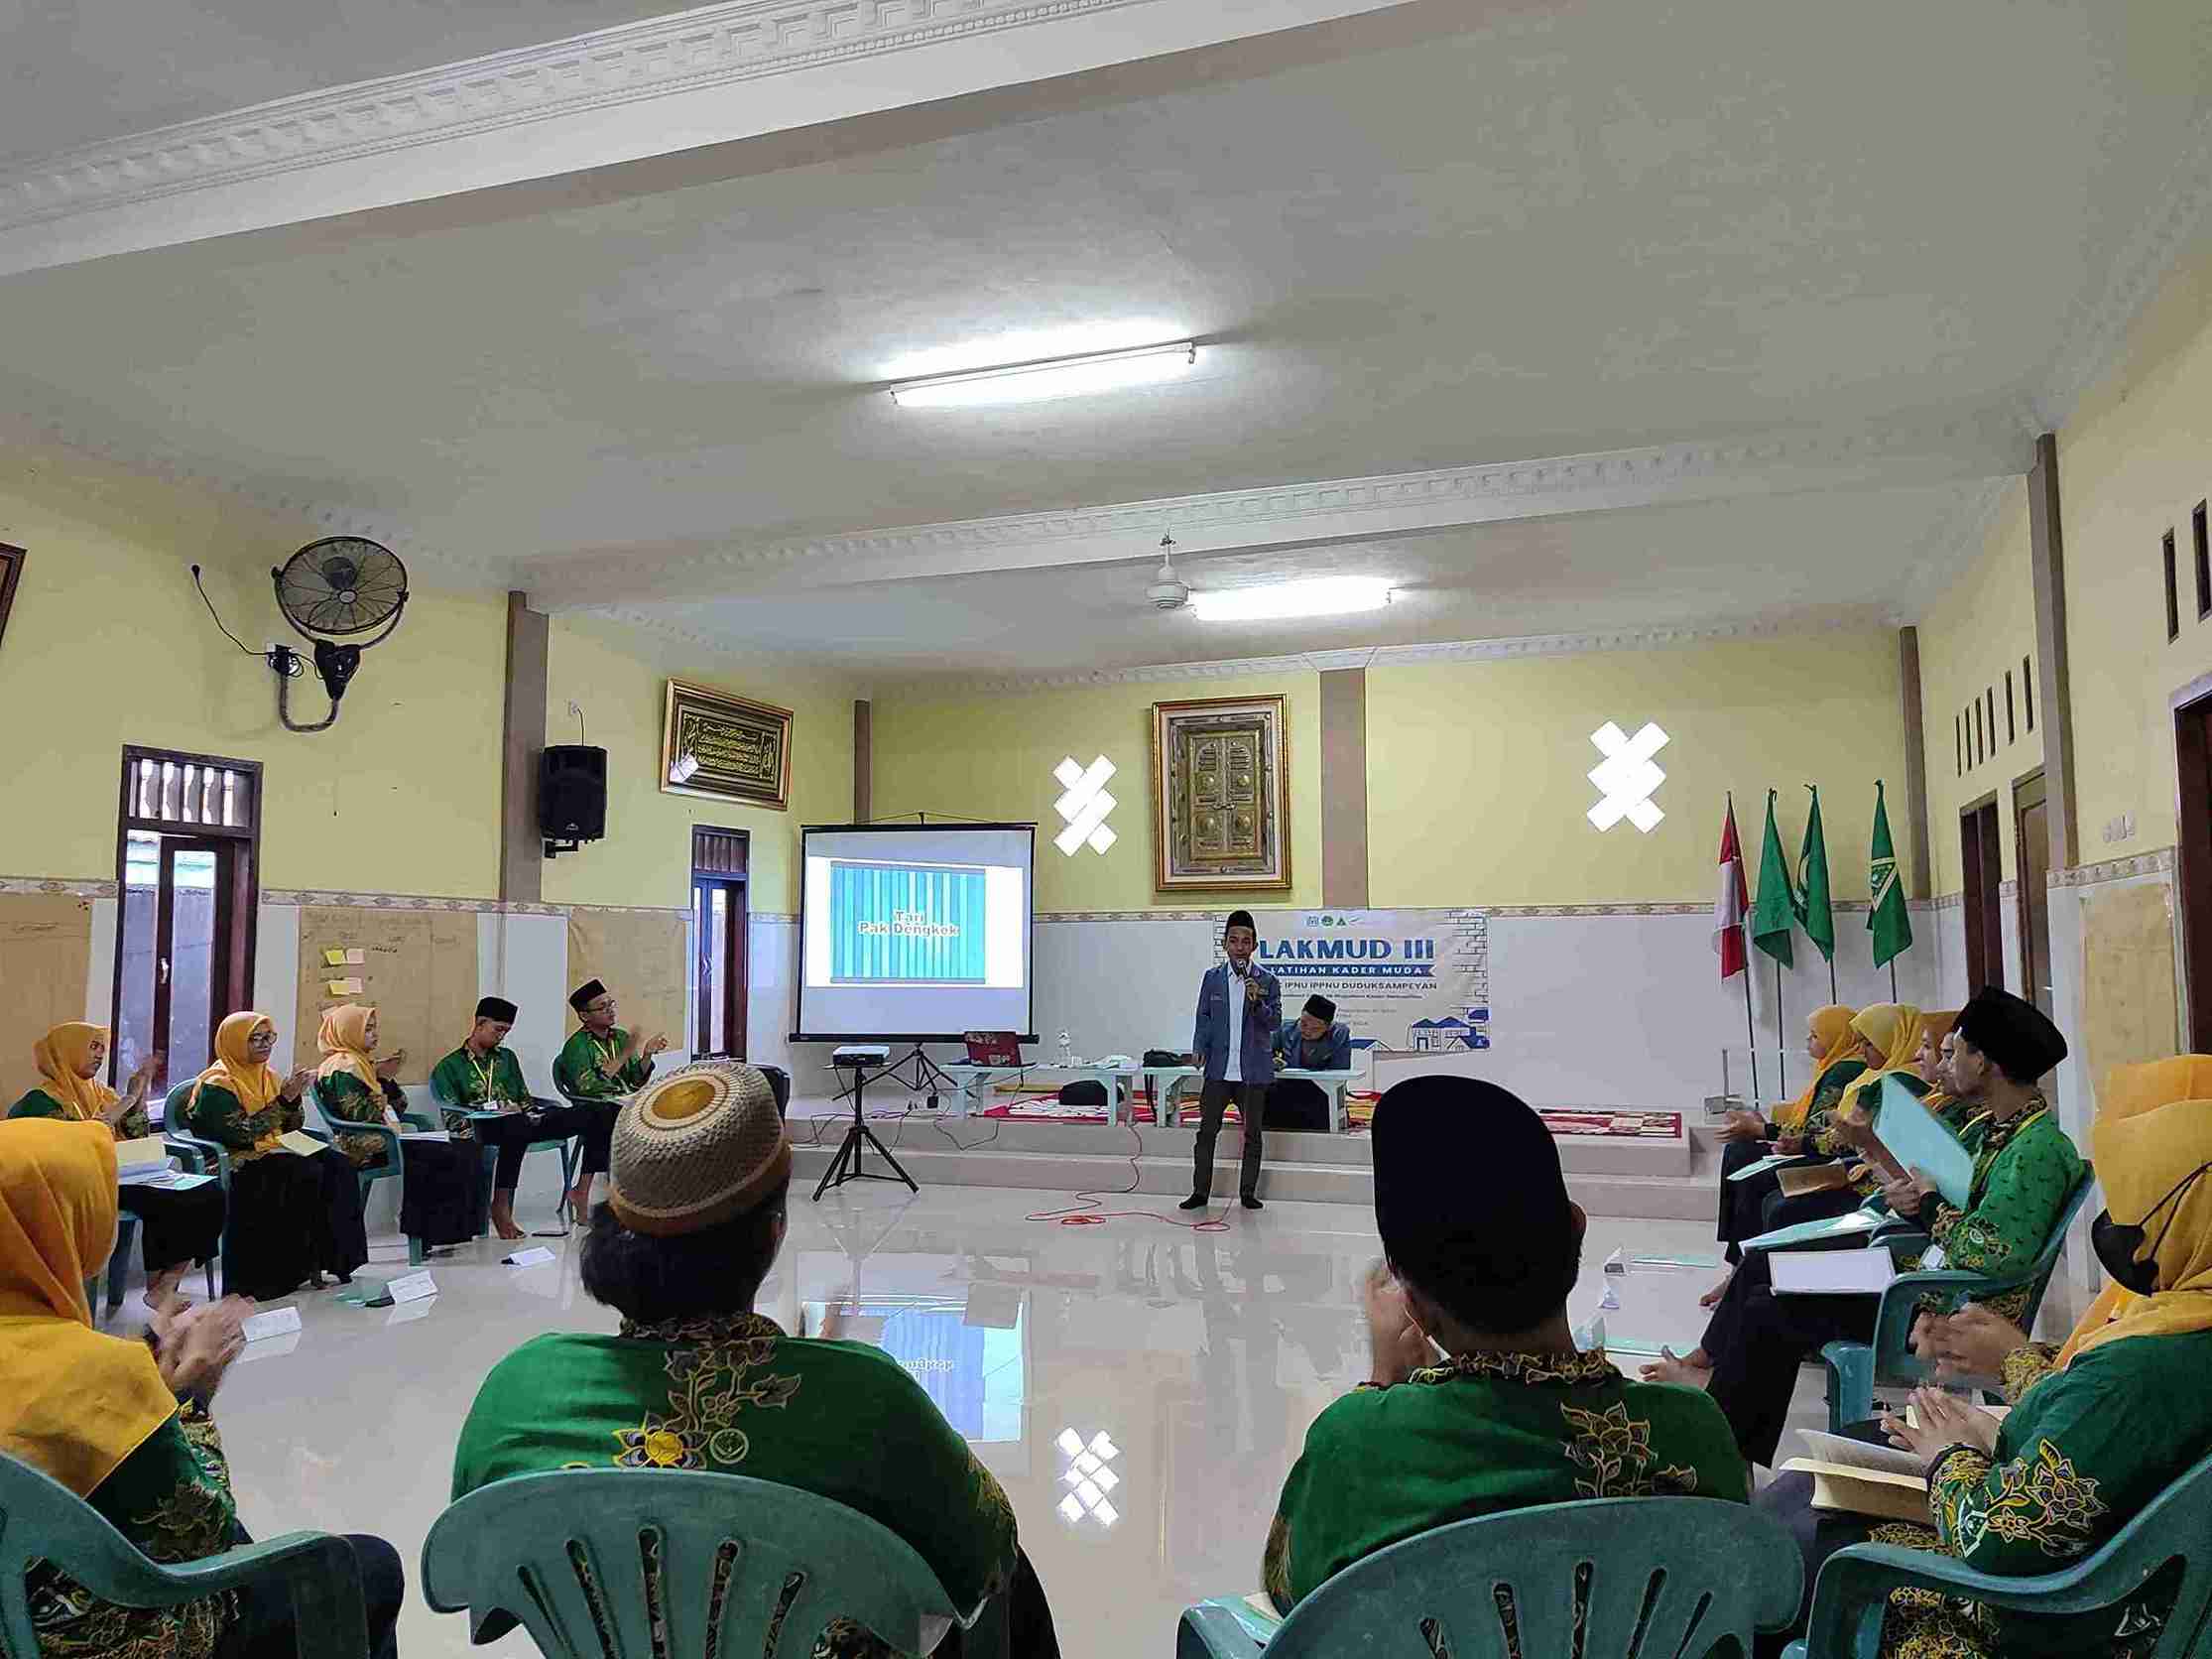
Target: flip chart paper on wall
(1916, 1138)
(46, 955)
(415, 967)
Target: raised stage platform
(1658, 1177)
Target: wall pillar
(2046, 557)
(522, 850)
(1344, 788)
(1916, 763)
(863, 762)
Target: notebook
(1832, 1272)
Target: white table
(975, 1081)
(1167, 1083)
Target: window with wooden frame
(2173, 593)
(187, 858)
(719, 861)
(2203, 549)
(2028, 690)
(2012, 728)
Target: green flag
(1815, 914)
(1887, 922)
(1775, 912)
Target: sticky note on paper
(354, 958)
(345, 987)
(333, 959)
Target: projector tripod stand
(846, 1165)
(928, 1078)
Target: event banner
(1401, 979)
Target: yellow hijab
(59, 1054)
(1895, 1029)
(2154, 1126)
(1832, 1028)
(234, 1068)
(73, 1402)
(344, 1040)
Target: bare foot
(503, 1219)
(1711, 1299)
(162, 1294)
(1672, 1367)
(579, 1204)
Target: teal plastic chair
(42, 1519)
(637, 1553)
(1605, 1578)
(393, 1168)
(568, 1148)
(126, 1230)
(1854, 1368)
(1853, 1590)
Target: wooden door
(2031, 821)
(1981, 861)
(2192, 749)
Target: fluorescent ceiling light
(1321, 597)
(1065, 377)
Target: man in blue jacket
(1240, 1008)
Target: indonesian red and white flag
(1729, 907)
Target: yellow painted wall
(1476, 786)
(2132, 462)
(617, 673)
(1979, 629)
(108, 644)
(991, 756)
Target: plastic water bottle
(1067, 1051)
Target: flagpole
(1750, 1033)
(1782, 1039)
(1832, 982)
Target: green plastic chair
(1853, 1590)
(1604, 1578)
(393, 1168)
(194, 1158)
(42, 1519)
(568, 1148)
(654, 1542)
(1855, 1367)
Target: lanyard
(487, 1077)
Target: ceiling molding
(678, 82)
(1320, 513)
(1382, 656)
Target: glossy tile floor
(1201, 1356)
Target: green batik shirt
(1482, 1434)
(170, 1498)
(345, 1096)
(2075, 1462)
(733, 1394)
(2023, 1171)
(39, 1103)
(220, 1116)
(466, 1083)
(1819, 1129)
(581, 1067)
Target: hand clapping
(1396, 1346)
(1944, 1422)
(195, 1347)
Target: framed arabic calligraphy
(725, 748)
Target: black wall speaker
(573, 793)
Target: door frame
(1982, 950)
(2192, 863)
(736, 987)
(237, 890)
(2033, 779)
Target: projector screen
(913, 933)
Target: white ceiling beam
(715, 75)
(1303, 515)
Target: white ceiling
(1605, 226)
(80, 71)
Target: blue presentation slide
(907, 924)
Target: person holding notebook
(2024, 1172)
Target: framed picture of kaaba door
(724, 747)
(1221, 795)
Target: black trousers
(1757, 1339)
(442, 1194)
(1252, 1108)
(175, 1226)
(265, 1629)
(516, 1132)
(1740, 1200)
(1780, 1212)
(340, 1236)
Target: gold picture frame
(1221, 795)
(743, 748)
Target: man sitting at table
(483, 1075)
(601, 1061)
(1314, 1042)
